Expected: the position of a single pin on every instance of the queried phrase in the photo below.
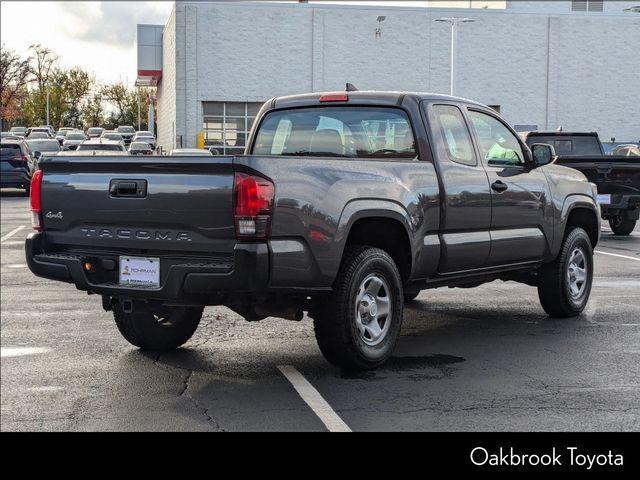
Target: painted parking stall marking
(11, 233)
(312, 397)
(617, 255)
(9, 352)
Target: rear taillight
(35, 200)
(25, 158)
(253, 206)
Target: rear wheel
(564, 285)
(621, 225)
(161, 328)
(359, 326)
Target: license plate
(140, 271)
(604, 199)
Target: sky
(97, 36)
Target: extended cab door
(522, 215)
(465, 196)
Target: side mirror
(37, 155)
(543, 154)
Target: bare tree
(43, 67)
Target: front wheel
(564, 285)
(621, 225)
(358, 327)
(161, 328)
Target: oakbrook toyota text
(572, 457)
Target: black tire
(410, 295)
(621, 225)
(335, 323)
(165, 328)
(554, 288)
(27, 190)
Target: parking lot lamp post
(47, 122)
(454, 22)
(139, 110)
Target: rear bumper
(622, 203)
(246, 272)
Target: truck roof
(364, 97)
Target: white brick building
(542, 62)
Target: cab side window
(455, 134)
(496, 142)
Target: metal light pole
(47, 122)
(150, 115)
(454, 22)
(139, 110)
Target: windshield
(44, 145)
(19, 130)
(126, 130)
(140, 146)
(352, 132)
(75, 136)
(94, 130)
(569, 146)
(111, 147)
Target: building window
(226, 125)
(587, 6)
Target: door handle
(128, 188)
(499, 186)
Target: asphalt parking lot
(475, 359)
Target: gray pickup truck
(346, 205)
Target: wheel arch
(580, 211)
(380, 224)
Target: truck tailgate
(142, 205)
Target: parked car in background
(147, 137)
(112, 135)
(102, 145)
(19, 131)
(140, 148)
(60, 135)
(17, 164)
(10, 136)
(73, 139)
(44, 147)
(39, 130)
(38, 134)
(95, 132)
(127, 133)
(190, 152)
(617, 177)
(630, 150)
(49, 128)
(346, 205)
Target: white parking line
(8, 352)
(11, 233)
(16, 265)
(616, 255)
(313, 398)
(16, 242)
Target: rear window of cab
(346, 132)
